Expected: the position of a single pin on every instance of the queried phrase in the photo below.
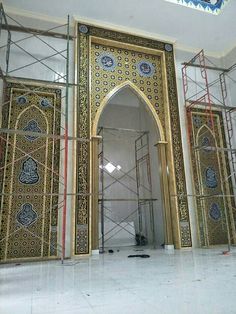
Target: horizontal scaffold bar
(231, 108)
(204, 196)
(127, 199)
(62, 137)
(28, 30)
(213, 148)
(49, 194)
(122, 129)
(15, 79)
(206, 67)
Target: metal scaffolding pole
(140, 200)
(61, 134)
(212, 97)
(102, 188)
(66, 145)
(142, 156)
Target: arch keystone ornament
(147, 68)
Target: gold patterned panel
(81, 241)
(211, 170)
(95, 84)
(29, 205)
(126, 69)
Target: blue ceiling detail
(209, 6)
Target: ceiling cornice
(134, 31)
(196, 50)
(154, 36)
(124, 29)
(34, 15)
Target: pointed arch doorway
(108, 60)
(126, 117)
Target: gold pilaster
(95, 187)
(161, 147)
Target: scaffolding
(16, 37)
(206, 87)
(136, 181)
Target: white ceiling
(190, 29)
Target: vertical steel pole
(102, 201)
(8, 51)
(66, 145)
(1, 15)
(226, 220)
(138, 194)
(152, 217)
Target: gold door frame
(162, 147)
(169, 146)
(222, 164)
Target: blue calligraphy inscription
(44, 102)
(107, 62)
(21, 100)
(215, 212)
(29, 172)
(210, 176)
(32, 126)
(145, 68)
(26, 216)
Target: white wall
(229, 61)
(36, 47)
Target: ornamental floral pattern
(28, 183)
(101, 68)
(210, 170)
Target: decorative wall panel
(210, 171)
(142, 69)
(106, 59)
(29, 168)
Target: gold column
(161, 146)
(95, 191)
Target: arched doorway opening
(133, 204)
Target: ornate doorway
(130, 197)
(107, 62)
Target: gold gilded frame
(224, 172)
(87, 117)
(30, 87)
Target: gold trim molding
(91, 100)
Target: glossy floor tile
(198, 281)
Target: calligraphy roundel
(32, 126)
(215, 212)
(44, 102)
(29, 172)
(211, 178)
(27, 215)
(21, 100)
(145, 68)
(107, 61)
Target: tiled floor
(199, 281)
